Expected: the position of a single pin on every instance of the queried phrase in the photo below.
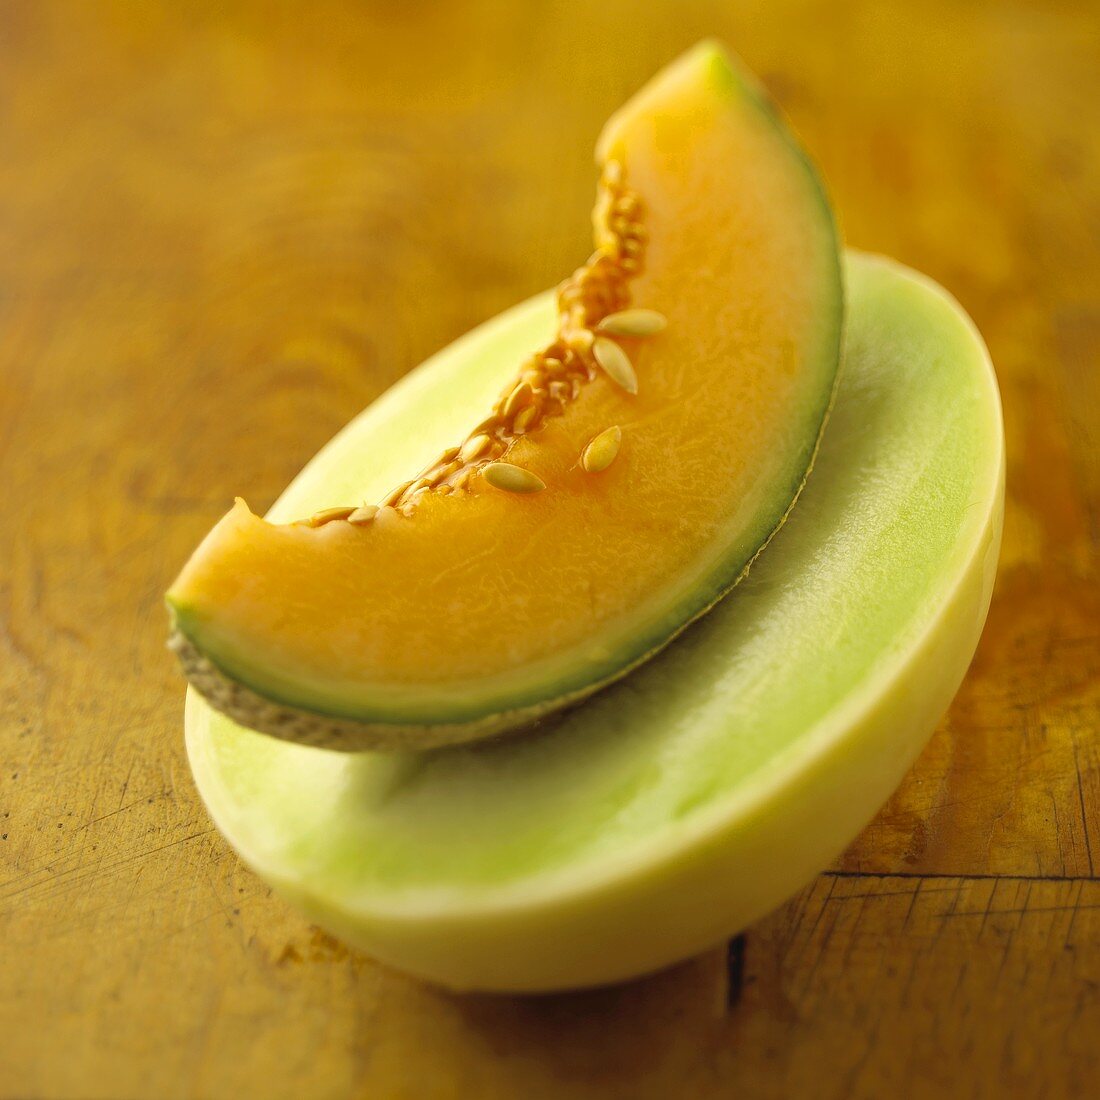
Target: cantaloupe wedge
(684, 802)
(593, 498)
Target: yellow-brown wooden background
(224, 228)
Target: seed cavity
(364, 515)
(602, 450)
(512, 479)
(593, 306)
(633, 322)
(615, 363)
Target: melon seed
(393, 497)
(473, 447)
(523, 419)
(362, 516)
(633, 322)
(519, 397)
(580, 340)
(615, 363)
(443, 470)
(512, 479)
(602, 450)
(327, 515)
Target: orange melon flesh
(485, 608)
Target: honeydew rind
(684, 804)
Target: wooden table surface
(224, 228)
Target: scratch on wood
(98, 869)
(103, 817)
(1081, 799)
(735, 971)
(934, 876)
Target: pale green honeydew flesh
(685, 801)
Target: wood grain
(226, 228)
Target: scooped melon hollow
(511, 576)
(683, 803)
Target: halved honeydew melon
(512, 578)
(682, 803)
